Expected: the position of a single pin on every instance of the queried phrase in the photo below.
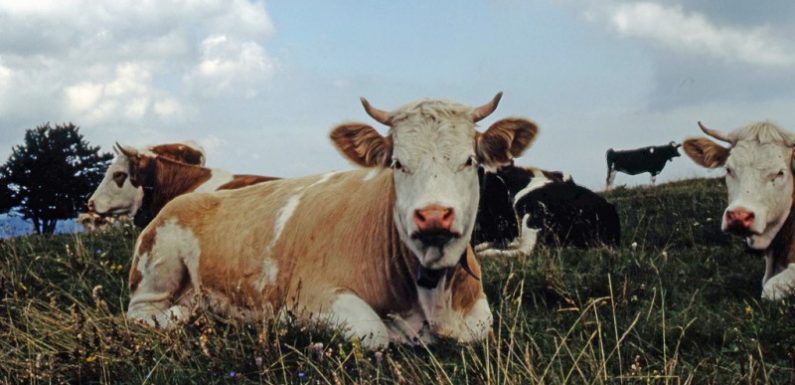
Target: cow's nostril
(91, 205)
(434, 217)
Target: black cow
(522, 206)
(634, 162)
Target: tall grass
(681, 306)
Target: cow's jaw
(434, 172)
(110, 199)
(753, 186)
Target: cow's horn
(379, 115)
(486, 109)
(715, 133)
(127, 150)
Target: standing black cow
(634, 162)
(522, 206)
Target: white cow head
(116, 195)
(759, 177)
(434, 151)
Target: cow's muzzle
(435, 237)
(740, 222)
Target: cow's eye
(729, 171)
(470, 162)
(396, 165)
(778, 175)
(119, 177)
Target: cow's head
(671, 150)
(759, 177)
(434, 152)
(119, 193)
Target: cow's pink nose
(740, 219)
(90, 205)
(434, 217)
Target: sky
(260, 84)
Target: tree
(50, 176)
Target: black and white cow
(633, 162)
(522, 206)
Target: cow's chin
(434, 257)
(114, 212)
(759, 242)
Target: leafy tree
(50, 176)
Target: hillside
(680, 306)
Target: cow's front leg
(358, 320)
(461, 323)
(780, 285)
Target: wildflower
(318, 350)
(98, 251)
(258, 361)
(232, 374)
(634, 245)
(749, 310)
(91, 358)
(301, 375)
(379, 357)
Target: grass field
(677, 303)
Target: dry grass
(681, 307)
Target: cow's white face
(115, 195)
(759, 178)
(434, 150)
(436, 187)
(759, 182)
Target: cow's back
(271, 241)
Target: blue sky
(259, 85)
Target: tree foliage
(50, 176)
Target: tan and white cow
(116, 196)
(379, 252)
(759, 179)
(160, 178)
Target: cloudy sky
(259, 85)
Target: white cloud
(230, 66)
(123, 63)
(694, 33)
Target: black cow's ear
(705, 152)
(362, 144)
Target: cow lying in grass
(759, 178)
(159, 178)
(116, 196)
(520, 206)
(381, 252)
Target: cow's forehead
(759, 155)
(120, 163)
(432, 126)
(447, 139)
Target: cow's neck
(169, 179)
(782, 249)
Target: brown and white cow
(163, 179)
(116, 196)
(759, 179)
(380, 252)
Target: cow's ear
(504, 140)
(362, 144)
(705, 152)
